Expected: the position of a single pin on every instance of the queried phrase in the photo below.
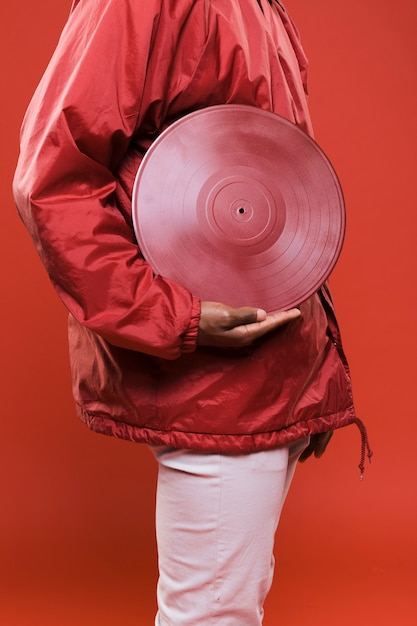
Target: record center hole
(241, 210)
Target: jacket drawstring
(365, 448)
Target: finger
(317, 446)
(259, 320)
(321, 443)
(282, 317)
(245, 316)
(271, 322)
(308, 451)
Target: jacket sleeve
(76, 132)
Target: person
(227, 399)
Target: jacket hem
(232, 443)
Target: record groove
(239, 206)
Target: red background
(76, 519)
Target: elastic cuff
(189, 338)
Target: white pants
(216, 517)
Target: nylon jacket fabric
(123, 70)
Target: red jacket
(122, 71)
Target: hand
(222, 326)
(317, 446)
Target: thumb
(248, 315)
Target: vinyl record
(239, 206)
